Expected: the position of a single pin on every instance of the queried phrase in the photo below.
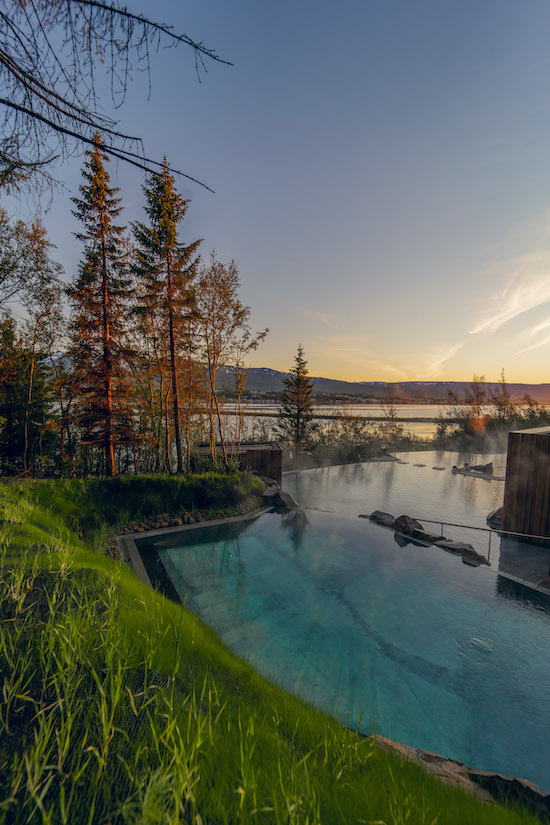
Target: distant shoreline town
(264, 384)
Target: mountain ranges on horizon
(266, 381)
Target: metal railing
(489, 530)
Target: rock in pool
(384, 519)
(407, 524)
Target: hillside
(264, 380)
(122, 707)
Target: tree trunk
(167, 461)
(174, 368)
(108, 367)
(218, 414)
(27, 409)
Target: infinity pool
(422, 486)
(408, 641)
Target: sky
(381, 174)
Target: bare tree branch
(120, 153)
(50, 53)
(168, 30)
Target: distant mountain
(262, 380)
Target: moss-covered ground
(119, 706)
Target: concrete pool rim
(130, 553)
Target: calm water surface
(419, 491)
(404, 412)
(407, 639)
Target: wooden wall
(263, 457)
(268, 462)
(527, 486)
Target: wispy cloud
(539, 336)
(355, 356)
(388, 370)
(435, 368)
(320, 316)
(528, 286)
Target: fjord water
(405, 640)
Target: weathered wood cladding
(264, 458)
(527, 486)
(267, 462)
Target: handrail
(485, 529)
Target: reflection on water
(398, 488)
(433, 653)
(296, 524)
(427, 494)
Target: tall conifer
(99, 296)
(295, 412)
(166, 269)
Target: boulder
(511, 789)
(274, 496)
(406, 524)
(457, 547)
(287, 500)
(474, 559)
(460, 548)
(425, 535)
(384, 519)
(403, 541)
(449, 771)
(484, 468)
(483, 784)
(494, 519)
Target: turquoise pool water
(407, 640)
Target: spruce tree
(99, 297)
(25, 419)
(166, 268)
(295, 412)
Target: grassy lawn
(121, 707)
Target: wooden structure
(263, 457)
(527, 487)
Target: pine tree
(166, 268)
(25, 419)
(99, 296)
(295, 412)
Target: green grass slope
(119, 706)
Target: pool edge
(130, 553)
